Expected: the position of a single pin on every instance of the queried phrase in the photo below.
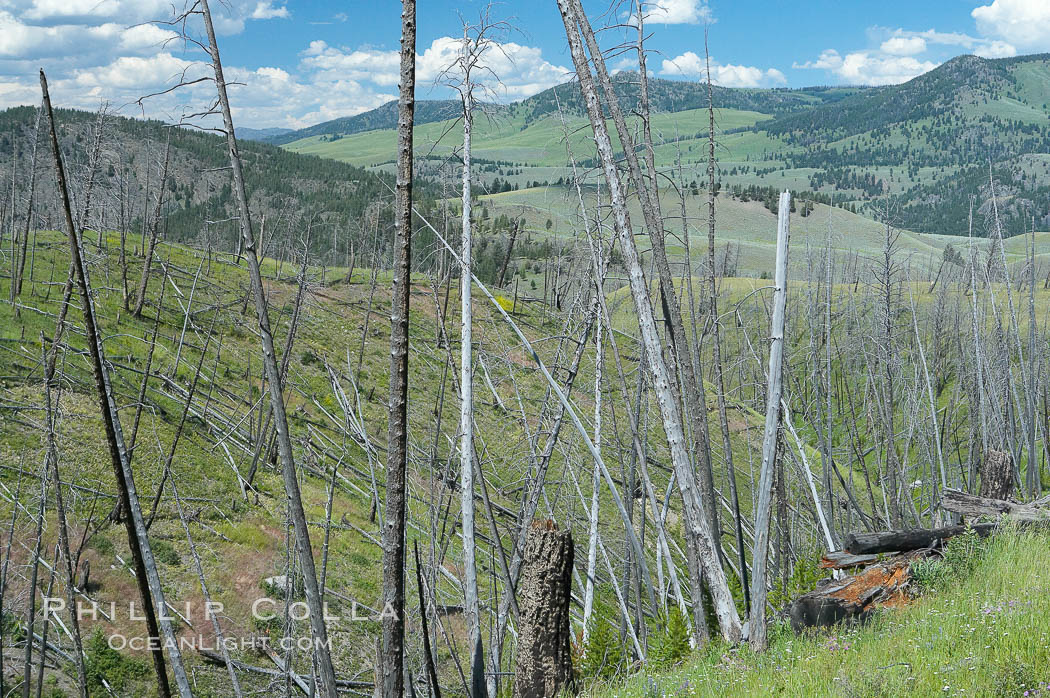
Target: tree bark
(997, 475)
(393, 648)
(900, 541)
(544, 661)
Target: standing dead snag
(145, 567)
(769, 441)
(544, 659)
(322, 651)
(997, 475)
(393, 651)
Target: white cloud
(266, 10)
(139, 73)
(691, 65)
(829, 60)
(507, 71)
(984, 47)
(996, 49)
(675, 12)
(869, 67)
(904, 45)
(91, 11)
(1022, 23)
(380, 67)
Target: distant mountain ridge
(664, 96)
(261, 134)
(920, 149)
(382, 117)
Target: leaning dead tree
(146, 573)
(393, 651)
(322, 652)
(697, 524)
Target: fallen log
(900, 541)
(841, 560)
(217, 659)
(855, 598)
(971, 505)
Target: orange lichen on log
(855, 597)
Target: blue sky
(304, 62)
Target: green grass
(985, 635)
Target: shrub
(670, 644)
(957, 562)
(165, 552)
(104, 662)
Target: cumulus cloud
(870, 67)
(829, 60)
(95, 50)
(675, 12)
(380, 67)
(507, 71)
(1022, 23)
(904, 45)
(690, 65)
(266, 10)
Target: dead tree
(19, 265)
(147, 262)
(463, 76)
(146, 574)
(769, 442)
(322, 651)
(63, 530)
(997, 475)
(684, 371)
(697, 526)
(393, 650)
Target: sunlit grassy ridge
(985, 635)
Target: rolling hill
(919, 150)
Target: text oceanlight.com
(262, 609)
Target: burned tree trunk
(393, 647)
(997, 475)
(149, 584)
(544, 659)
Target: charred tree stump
(544, 659)
(997, 475)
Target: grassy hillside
(748, 230)
(982, 632)
(924, 145)
(287, 190)
(243, 540)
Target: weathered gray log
(544, 660)
(997, 475)
(972, 505)
(840, 560)
(899, 541)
